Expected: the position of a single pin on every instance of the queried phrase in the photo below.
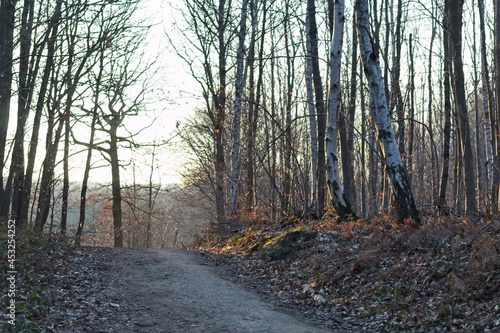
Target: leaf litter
(374, 276)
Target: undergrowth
(444, 275)
(37, 262)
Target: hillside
(375, 276)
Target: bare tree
(403, 197)
(319, 103)
(447, 111)
(340, 201)
(7, 22)
(455, 19)
(487, 95)
(209, 29)
(240, 84)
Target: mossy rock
(287, 244)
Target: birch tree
(312, 118)
(403, 197)
(340, 201)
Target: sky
(173, 99)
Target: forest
(317, 108)
(343, 157)
(306, 109)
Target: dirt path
(178, 291)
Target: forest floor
(296, 276)
(84, 289)
(374, 276)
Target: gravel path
(179, 291)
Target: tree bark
(220, 111)
(65, 189)
(240, 84)
(455, 18)
(312, 118)
(33, 146)
(486, 93)
(319, 103)
(85, 179)
(346, 126)
(496, 162)
(16, 172)
(115, 184)
(403, 197)
(447, 113)
(340, 201)
(7, 22)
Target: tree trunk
(461, 105)
(51, 37)
(287, 177)
(254, 100)
(85, 180)
(319, 103)
(312, 118)
(220, 110)
(7, 21)
(434, 183)
(496, 162)
(411, 131)
(346, 126)
(115, 186)
(447, 113)
(403, 197)
(46, 182)
(240, 84)
(486, 93)
(397, 98)
(340, 201)
(16, 172)
(65, 189)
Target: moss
(286, 244)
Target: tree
(15, 180)
(7, 22)
(240, 84)
(403, 197)
(210, 32)
(455, 20)
(496, 169)
(447, 111)
(340, 201)
(487, 94)
(319, 103)
(122, 75)
(312, 117)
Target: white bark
(240, 83)
(312, 116)
(405, 203)
(340, 203)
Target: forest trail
(179, 291)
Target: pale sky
(173, 99)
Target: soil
(174, 291)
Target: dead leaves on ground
(377, 276)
